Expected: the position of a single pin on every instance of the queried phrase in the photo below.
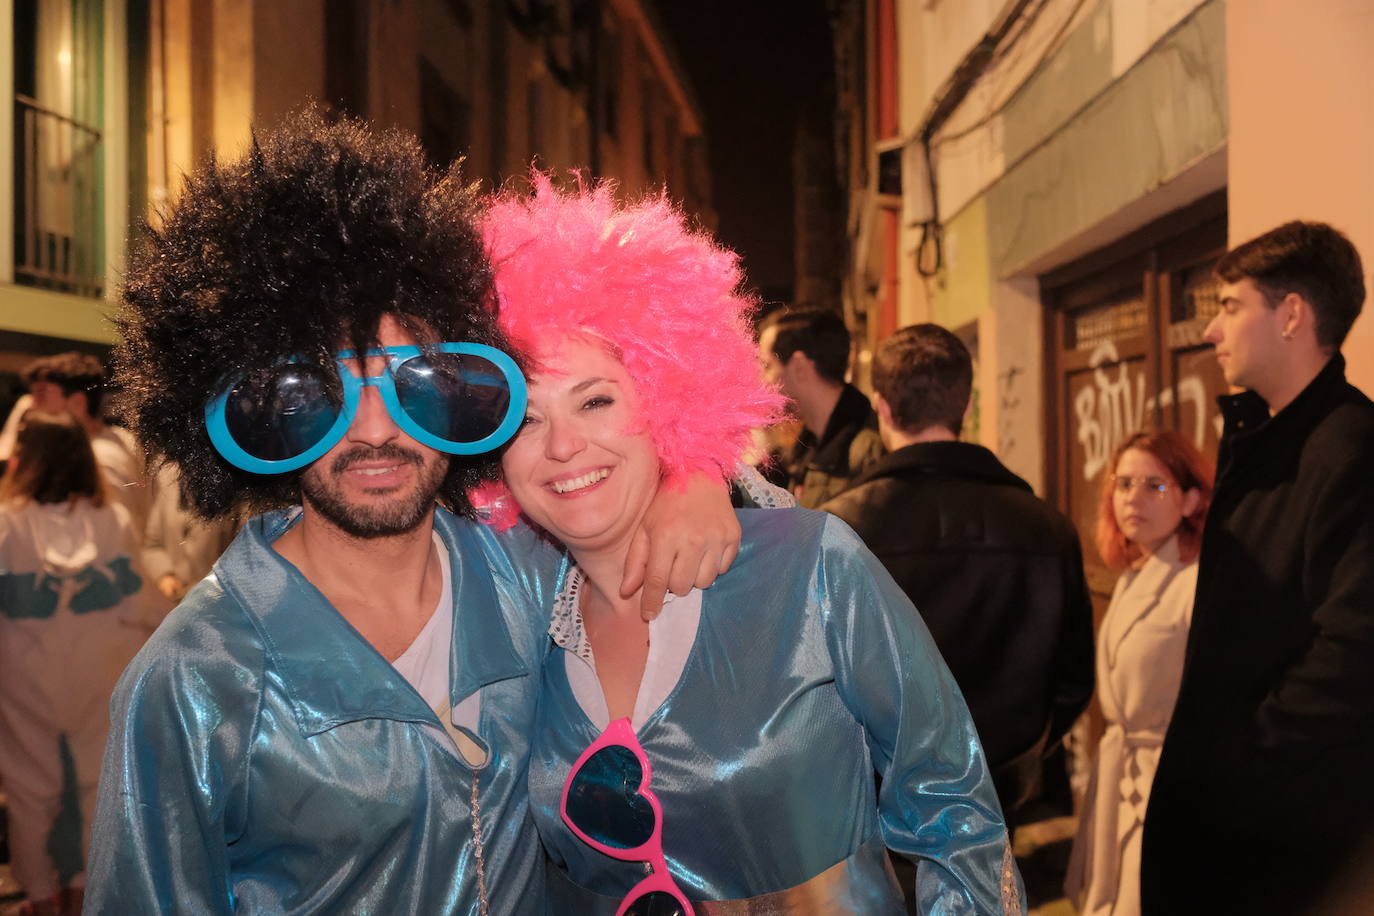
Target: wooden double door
(1126, 353)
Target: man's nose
(1212, 333)
(372, 423)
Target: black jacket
(1265, 787)
(998, 578)
(818, 469)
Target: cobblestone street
(1042, 854)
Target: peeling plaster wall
(964, 286)
(1013, 402)
(1072, 52)
(1107, 110)
(1010, 361)
(1066, 83)
(1166, 113)
(1302, 133)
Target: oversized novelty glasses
(459, 398)
(608, 805)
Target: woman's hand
(690, 535)
(171, 587)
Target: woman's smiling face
(583, 466)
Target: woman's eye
(600, 400)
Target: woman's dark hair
(52, 463)
(295, 250)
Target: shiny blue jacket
(810, 670)
(263, 757)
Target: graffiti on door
(1116, 404)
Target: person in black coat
(1264, 795)
(996, 574)
(806, 353)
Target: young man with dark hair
(806, 353)
(74, 384)
(996, 574)
(1263, 796)
(337, 720)
(55, 382)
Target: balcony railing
(57, 224)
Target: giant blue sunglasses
(459, 398)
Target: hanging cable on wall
(930, 251)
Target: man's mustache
(385, 452)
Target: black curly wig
(296, 249)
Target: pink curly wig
(666, 298)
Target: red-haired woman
(1149, 525)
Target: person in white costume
(69, 623)
(10, 430)
(179, 547)
(1149, 526)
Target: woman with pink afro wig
(726, 750)
(664, 297)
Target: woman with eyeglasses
(1149, 526)
(720, 758)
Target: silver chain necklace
(476, 807)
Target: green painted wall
(964, 284)
(38, 311)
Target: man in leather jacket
(806, 352)
(995, 572)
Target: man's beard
(403, 513)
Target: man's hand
(690, 535)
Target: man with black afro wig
(293, 251)
(337, 719)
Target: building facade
(115, 100)
(1054, 179)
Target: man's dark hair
(820, 334)
(925, 374)
(301, 246)
(1311, 259)
(72, 372)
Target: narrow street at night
(650, 456)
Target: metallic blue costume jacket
(810, 670)
(265, 758)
